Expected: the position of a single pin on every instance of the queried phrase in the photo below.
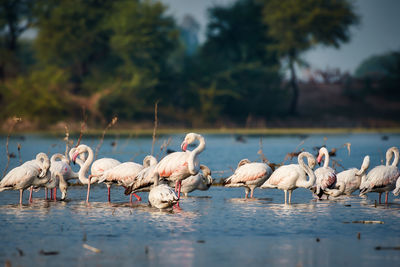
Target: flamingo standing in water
(201, 181)
(249, 175)
(326, 176)
(125, 174)
(290, 177)
(97, 169)
(144, 180)
(349, 181)
(30, 174)
(162, 196)
(177, 166)
(382, 178)
(60, 172)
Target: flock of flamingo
(183, 170)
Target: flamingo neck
(326, 157)
(194, 153)
(364, 166)
(310, 182)
(85, 167)
(389, 155)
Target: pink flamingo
(179, 165)
(249, 175)
(382, 178)
(326, 176)
(64, 172)
(162, 196)
(290, 177)
(125, 174)
(201, 181)
(30, 174)
(144, 179)
(349, 181)
(97, 169)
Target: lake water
(215, 227)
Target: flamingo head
(189, 138)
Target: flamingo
(162, 196)
(144, 179)
(97, 169)
(326, 176)
(125, 174)
(64, 173)
(290, 177)
(396, 191)
(382, 178)
(177, 166)
(201, 181)
(349, 181)
(30, 174)
(249, 175)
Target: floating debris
(369, 222)
(347, 205)
(387, 248)
(317, 239)
(201, 241)
(96, 250)
(358, 235)
(20, 252)
(48, 253)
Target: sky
(378, 32)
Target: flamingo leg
(246, 193)
(251, 192)
(55, 193)
(176, 186)
(30, 194)
(179, 190)
(380, 194)
(285, 196)
(137, 197)
(109, 192)
(88, 190)
(290, 196)
(386, 197)
(21, 192)
(45, 193)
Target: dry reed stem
(163, 148)
(66, 139)
(15, 120)
(155, 127)
(19, 154)
(113, 122)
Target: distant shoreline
(237, 131)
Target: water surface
(215, 227)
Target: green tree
(142, 38)
(297, 26)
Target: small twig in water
(96, 250)
(155, 127)
(15, 120)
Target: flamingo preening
(290, 177)
(125, 174)
(144, 179)
(325, 175)
(349, 181)
(382, 178)
(249, 175)
(177, 166)
(97, 169)
(60, 172)
(162, 196)
(30, 174)
(201, 181)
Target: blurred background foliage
(117, 58)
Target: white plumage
(325, 175)
(201, 181)
(290, 177)
(162, 197)
(249, 175)
(382, 178)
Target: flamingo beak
(184, 146)
(75, 156)
(319, 159)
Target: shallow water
(214, 227)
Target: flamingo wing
(102, 165)
(249, 172)
(173, 165)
